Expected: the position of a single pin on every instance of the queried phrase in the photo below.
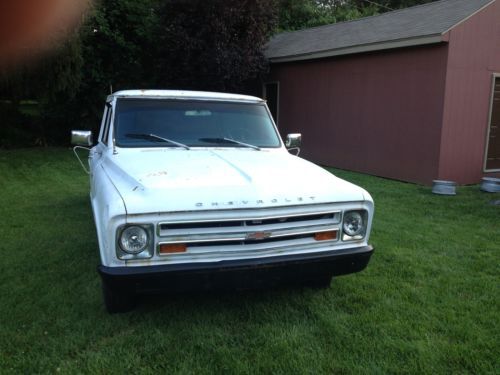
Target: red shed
(412, 94)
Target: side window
(107, 121)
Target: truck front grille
(233, 230)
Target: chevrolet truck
(195, 190)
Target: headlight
(134, 240)
(354, 225)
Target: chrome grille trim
(281, 226)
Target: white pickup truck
(197, 190)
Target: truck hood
(161, 180)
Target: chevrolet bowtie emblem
(258, 235)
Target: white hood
(171, 179)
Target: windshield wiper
(229, 140)
(154, 137)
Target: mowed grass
(427, 303)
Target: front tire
(116, 300)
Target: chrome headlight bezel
(350, 217)
(145, 253)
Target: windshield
(142, 122)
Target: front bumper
(237, 274)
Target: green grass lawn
(429, 301)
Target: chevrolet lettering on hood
(194, 191)
(258, 201)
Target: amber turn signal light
(173, 248)
(326, 236)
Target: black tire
(117, 301)
(319, 282)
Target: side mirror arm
(82, 140)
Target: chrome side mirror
(82, 138)
(293, 140)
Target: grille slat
(202, 225)
(249, 242)
(216, 223)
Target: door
(493, 142)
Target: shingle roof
(417, 25)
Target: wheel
(117, 301)
(319, 282)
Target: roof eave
(400, 43)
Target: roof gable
(417, 25)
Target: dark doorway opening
(271, 94)
(493, 141)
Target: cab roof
(183, 94)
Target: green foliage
(123, 44)
(301, 14)
(397, 4)
(117, 47)
(119, 43)
(426, 304)
(214, 45)
(52, 82)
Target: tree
(397, 4)
(113, 48)
(183, 44)
(119, 42)
(213, 45)
(53, 78)
(196, 44)
(301, 14)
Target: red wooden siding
(379, 113)
(473, 57)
